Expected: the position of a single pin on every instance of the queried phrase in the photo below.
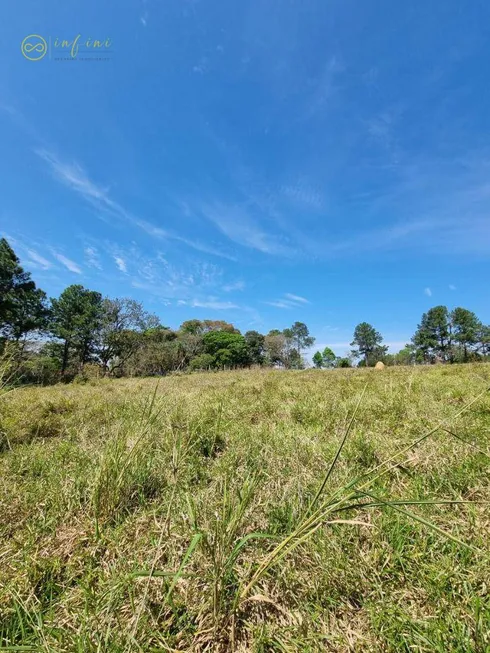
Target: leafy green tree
(291, 356)
(256, 347)
(288, 347)
(294, 360)
(39, 369)
(23, 307)
(343, 362)
(280, 349)
(406, 356)
(240, 353)
(199, 327)
(218, 325)
(202, 362)
(368, 342)
(433, 335)
(217, 342)
(300, 335)
(466, 327)
(123, 322)
(224, 358)
(318, 359)
(389, 359)
(77, 320)
(191, 345)
(484, 340)
(161, 351)
(194, 327)
(275, 347)
(160, 333)
(328, 357)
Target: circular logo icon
(34, 47)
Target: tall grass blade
(469, 444)
(422, 520)
(194, 542)
(336, 457)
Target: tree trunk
(64, 362)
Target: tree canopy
(23, 307)
(326, 358)
(367, 342)
(76, 320)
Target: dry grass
(203, 512)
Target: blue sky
(261, 162)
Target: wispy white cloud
(451, 287)
(296, 298)
(12, 241)
(382, 131)
(37, 260)
(76, 178)
(324, 88)
(237, 285)
(25, 248)
(202, 66)
(288, 301)
(381, 238)
(428, 292)
(213, 305)
(235, 222)
(304, 195)
(280, 304)
(203, 247)
(68, 263)
(448, 197)
(92, 258)
(192, 284)
(121, 263)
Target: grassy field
(210, 512)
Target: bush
(89, 372)
(41, 370)
(343, 362)
(202, 362)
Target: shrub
(343, 362)
(202, 362)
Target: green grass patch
(250, 510)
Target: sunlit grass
(252, 510)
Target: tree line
(443, 336)
(81, 333)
